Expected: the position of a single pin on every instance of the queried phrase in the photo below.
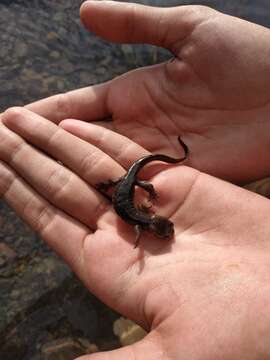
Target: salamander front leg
(103, 187)
(149, 188)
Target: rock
(127, 331)
(55, 54)
(20, 49)
(6, 254)
(90, 348)
(83, 317)
(52, 35)
(67, 349)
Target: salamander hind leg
(146, 209)
(149, 188)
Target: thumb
(135, 23)
(145, 349)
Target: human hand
(215, 92)
(204, 295)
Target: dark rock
(67, 349)
(83, 317)
(6, 254)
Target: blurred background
(45, 312)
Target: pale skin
(215, 93)
(204, 295)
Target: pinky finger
(62, 233)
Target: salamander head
(161, 227)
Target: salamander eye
(162, 227)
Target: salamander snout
(161, 227)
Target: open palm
(214, 93)
(189, 293)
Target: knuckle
(198, 11)
(6, 179)
(54, 138)
(89, 163)
(63, 105)
(39, 214)
(57, 183)
(16, 149)
(43, 219)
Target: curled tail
(185, 147)
(139, 164)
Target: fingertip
(72, 122)
(66, 123)
(88, 3)
(13, 114)
(89, 8)
(92, 3)
(75, 127)
(121, 17)
(83, 9)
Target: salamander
(123, 197)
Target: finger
(87, 161)
(120, 148)
(134, 23)
(52, 180)
(89, 103)
(63, 234)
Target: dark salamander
(123, 197)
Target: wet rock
(67, 349)
(55, 54)
(127, 331)
(6, 254)
(52, 35)
(83, 316)
(90, 348)
(20, 49)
